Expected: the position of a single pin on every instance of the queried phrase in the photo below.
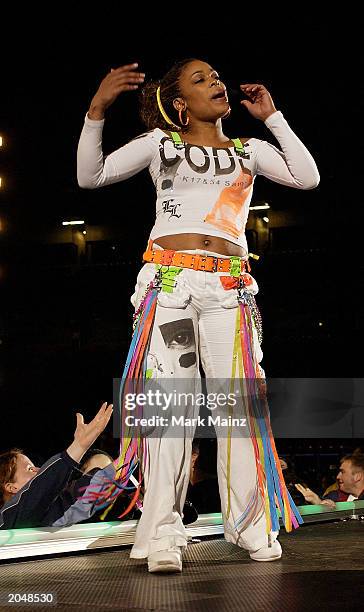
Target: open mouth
(219, 95)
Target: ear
(9, 487)
(179, 104)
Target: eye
(199, 81)
(181, 340)
(178, 334)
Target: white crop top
(200, 189)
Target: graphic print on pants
(179, 340)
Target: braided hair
(169, 91)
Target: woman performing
(194, 298)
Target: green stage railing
(20, 543)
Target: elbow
(85, 183)
(312, 182)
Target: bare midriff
(187, 242)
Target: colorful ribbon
(270, 480)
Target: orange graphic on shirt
(229, 206)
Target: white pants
(196, 321)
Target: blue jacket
(41, 501)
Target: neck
(357, 489)
(7, 497)
(206, 132)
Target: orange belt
(204, 263)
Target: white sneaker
(166, 560)
(267, 554)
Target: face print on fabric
(179, 340)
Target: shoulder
(148, 141)
(333, 495)
(146, 135)
(252, 145)
(155, 135)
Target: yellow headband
(163, 112)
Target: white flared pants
(194, 322)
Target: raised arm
(34, 500)
(93, 170)
(293, 165)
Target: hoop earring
(180, 118)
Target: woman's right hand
(125, 78)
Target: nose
(216, 82)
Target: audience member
(350, 483)
(31, 496)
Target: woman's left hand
(260, 103)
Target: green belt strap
(168, 277)
(235, 266)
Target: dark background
(65, 314)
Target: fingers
(300, 488)
(79, 418)
(126, 83)
(126, 67)
(108, 411)
(102, 420)
(253, 91)
(251, 87)
(102, 409)
(126, 77)
(328, 502)
(104, 412)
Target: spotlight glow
(73, 222)
(264, 206)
